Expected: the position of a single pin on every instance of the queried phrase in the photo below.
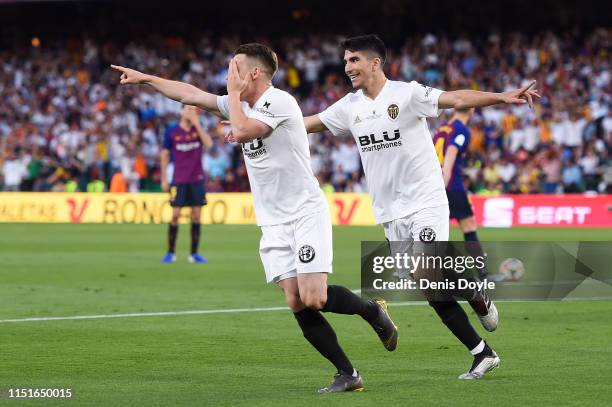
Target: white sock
(479, 348)
(355, 374)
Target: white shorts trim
(412, 234)
(412, 226)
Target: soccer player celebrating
(183, 143)
(451, 142)
(296, 242)
(388, 121)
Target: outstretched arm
(179, 91)
(314, 124)
(464, 99)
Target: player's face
(471, 112)
(186, 112)
(358, 67)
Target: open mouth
(352, 77)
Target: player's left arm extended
(466, 98)
(314, 124)
(449, 161)
(175, 90)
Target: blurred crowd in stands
(66, 125)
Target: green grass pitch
(553, 353)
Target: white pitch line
(239, 310)
(168, 313)
(144, 314)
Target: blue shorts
(191, 194)
(459, 205)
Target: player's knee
(424, 278)
(294, 302)
(314, 299)
(468, 224)
(314, 302)
(195, 216)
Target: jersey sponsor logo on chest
(186, 137)
(376, 142)
(184, 147)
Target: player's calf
(317, 295)
(341, 300)
(315, 328)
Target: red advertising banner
(573, 210)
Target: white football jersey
(282, 182)
(399, 160)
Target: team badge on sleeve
(393, 111)
(427, 235)
(306, 254)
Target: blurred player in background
(183, 145)
(296, 242)
(388, 121)
(451, 142)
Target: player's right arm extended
(175, 90)
(467, 98)
(449, 161)
(314, 124)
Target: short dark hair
(369, 42)
(261, 53)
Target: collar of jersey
(262, 95)
(384, 88)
